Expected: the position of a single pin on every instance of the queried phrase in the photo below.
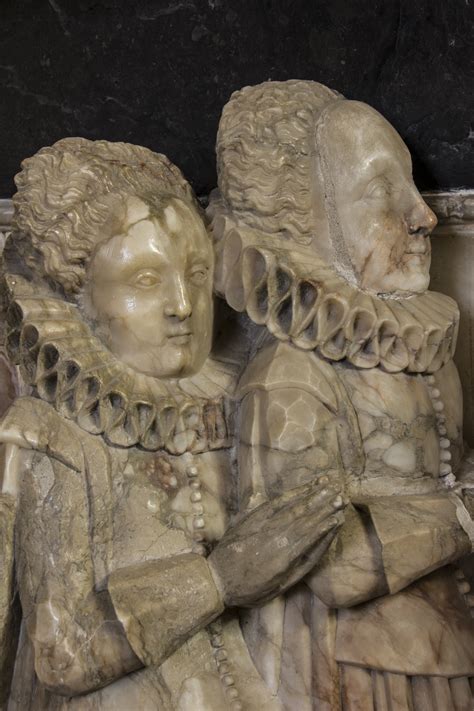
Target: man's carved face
(382, 220)
(149, 289)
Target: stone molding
(455, 210)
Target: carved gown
(364, 390)
(123, 486)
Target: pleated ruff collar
(70, 368)
(300, 299)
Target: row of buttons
(445, 469)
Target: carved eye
(146, 280)
(198, 274)
(378, 189)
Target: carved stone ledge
(452, 272)
(453, 209)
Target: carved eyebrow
(196, 255)
(141, 262)
(380, 168)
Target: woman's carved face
(384, 222)
(149, 290)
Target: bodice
(410, 426)
(166, 505)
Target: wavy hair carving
(265, 148)
(70, 191)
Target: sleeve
(417, 535)
(79, 643)
(386, 544)
(162, 603)
(277, 451)
(79, 633)
(295, 425)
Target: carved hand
(277, 544)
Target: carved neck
(299, 298)
(70, 368)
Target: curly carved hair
(265, 147)
(68, 192)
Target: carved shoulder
(33, 424)
(280, 365)
(296, 423)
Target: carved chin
(408, 279)
(173, 361)
(420, 282)
(414, 277)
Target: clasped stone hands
(277, 543)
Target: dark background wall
(157, 72)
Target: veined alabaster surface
(323, 246)
(233, 468)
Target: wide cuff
(162, 603)
(417, 534)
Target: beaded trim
(445, 455)
(215, 628)
(199, 523)
(223, 666)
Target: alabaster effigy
(322, 244)
(119, 507)
(234, 475)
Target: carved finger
(309, 560)
(299, 494)
(315, 501)
(300, 568)
(306, 532)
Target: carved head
(118, 228)
(298, 161)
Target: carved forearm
(162, 603)
(418, 534)
(386, 544)
(148, 611)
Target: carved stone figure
(323, 243)
(117, 484)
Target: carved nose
(421, 220)
(178, 303)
